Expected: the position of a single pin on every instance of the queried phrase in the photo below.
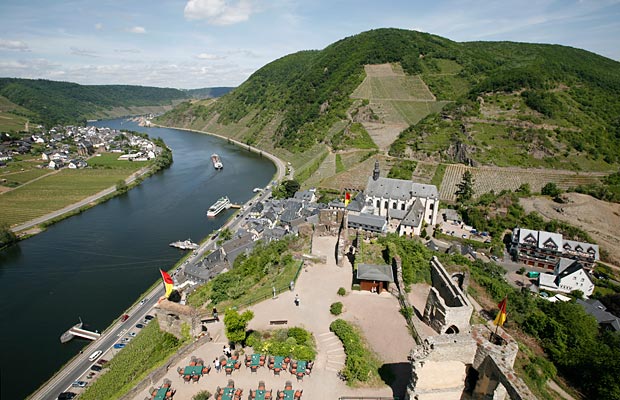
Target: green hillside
(50, 102)
(503, 103)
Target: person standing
(297, 300)
(217, 364)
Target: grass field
(55, 192)
(110, 161)
(9, 121)
(25, 176)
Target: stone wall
(447, 308)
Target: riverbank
(280, 166)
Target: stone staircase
(329, 344)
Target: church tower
(375, 173)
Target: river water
(96, 264)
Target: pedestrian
(297, 300)
(227, 351)
(215, 314)
(216, 362)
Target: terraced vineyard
(389, 82)
(498, 179)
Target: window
(394, 205)
(378, 203)
(387, 204)
(402, 206)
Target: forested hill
(558, 99)
(52, 102)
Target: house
(604, 318)
(367, 222)
(55, 164)
(306, 195)
(544, 249)
(374, 278)
(405, 204)
(76, 164)
(571, 277)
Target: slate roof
(399, 189)
(374, 221)
(415, 215)
(372, 272)
(599, 311)
(581, 247)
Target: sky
(206, 43)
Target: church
(402, 206)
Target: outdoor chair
(298, 394)
(229, 371)
(187, 378)
(280, 395)
(288, 385)
(231, 383)
(252, 393)
(253, 368)
(238, 365)
(196, 378)
(268, 394)
(276, 371)
(180, 371)
(218, 390)
(192, 363)
(261, 385)
(206, 370)
(287, 359)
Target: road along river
(95, 265)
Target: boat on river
(222, 204)
(185, 245)
(217, 161)
(65, 337)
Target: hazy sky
(204, 43)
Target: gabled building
(544, 249)
(405, 205)
(604, 318)
(570, 277)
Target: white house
(569, 275)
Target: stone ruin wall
(447, 306)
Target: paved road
(77, 205)
(80, 365)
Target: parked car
(66, 396)
(124, 317)
(125, 339)
(119, 345)
(149, 317)
(96, 368)
(102, 361)
(132, 334)
(139, 326)
(79, 384)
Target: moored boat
(185, 245)
(222, 204)
(67, 336)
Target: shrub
(336, 308)
(357, 364)
(301, 335)
(202, 395)
(342, 291)
(355, 286)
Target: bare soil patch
(599, 218)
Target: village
(71, 146)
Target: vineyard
(56, 191)
(381, 84)
(497, 179)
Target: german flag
(501, 315)
(347, 198)
(168, 282)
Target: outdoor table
(260, 395)
(301, 367)
(229, 393)
(161, 393)
(193, 370)
(255, 360)
(289, 394)
(277, 362)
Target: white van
(95, 355)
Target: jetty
(76, 330)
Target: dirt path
(599, 218)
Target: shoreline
(280, 165)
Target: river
(96, 264)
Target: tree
(291, 187)
(551, 189)
(236, 324)
(7, 237)
(226, 234)
(121, 186)
(465, 189)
